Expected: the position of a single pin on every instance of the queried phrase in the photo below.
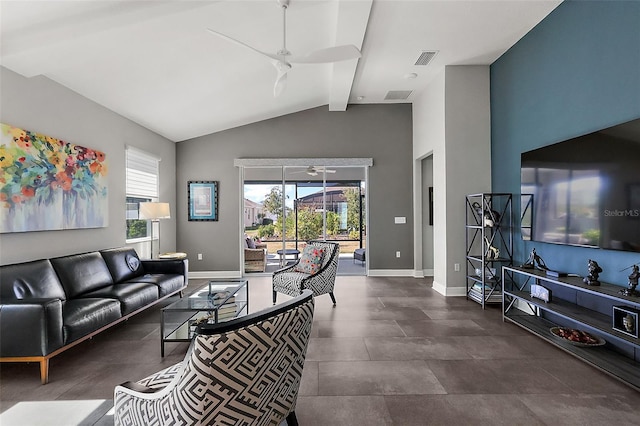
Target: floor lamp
(154, 212)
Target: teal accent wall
(576, 72)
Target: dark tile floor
(392, 352)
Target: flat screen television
(585, 191)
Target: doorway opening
(280, 215)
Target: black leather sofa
(50, 305)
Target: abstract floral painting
(48, 184)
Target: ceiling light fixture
(410, 76)
(360, 98)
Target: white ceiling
(154, 62)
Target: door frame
(243, 163)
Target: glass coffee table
(218, 301)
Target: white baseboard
(449, 291)
(418, 273)
(427, 272)
(391, 273)
(214, 274)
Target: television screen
(586, 190)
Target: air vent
(425, 57)
(397, 95)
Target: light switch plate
(400, 219)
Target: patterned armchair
(242, 372)
(291, 282)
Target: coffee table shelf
(218, 301)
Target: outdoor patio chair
(244, 371)
(292, 281)
(255, 256)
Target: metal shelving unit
(489, 245)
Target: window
(141, 186)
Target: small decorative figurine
(629, 322)
(534, 261)
(492, 252)
(633, 281)
(491, 217)
(594, 273)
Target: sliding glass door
(285, 207)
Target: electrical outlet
(199, 256)
(456, 267)
(397, 254)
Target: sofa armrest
(167, 266)
(30, 327)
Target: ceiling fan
(313, 170)
(282, 59)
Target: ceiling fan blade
(233, 40)
(324, 170)
(327, 55)
(281, 83)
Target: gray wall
(41, 105)
(382, 132)
(452, 126)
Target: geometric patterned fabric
(292, 283)
(249, 375)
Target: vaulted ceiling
(154, 62)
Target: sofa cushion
(123, 263)
(82, 273)
(132, 296)
(166, 283)
(30, 280)
(250, 243)
(83, 316)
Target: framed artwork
(202, 199)
(49, 184)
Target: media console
(594, 309)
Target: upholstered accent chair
(242, 372)
(291, 281)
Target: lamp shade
(154, 211)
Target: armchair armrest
(30, 327)
(137, 387)
(254, 254)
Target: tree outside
(309, 216)
(136, 228)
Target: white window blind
(142, 174)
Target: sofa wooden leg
(44, 370)
(291, 419)
(333, 298)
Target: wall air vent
(397, 95)
(425, 57)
